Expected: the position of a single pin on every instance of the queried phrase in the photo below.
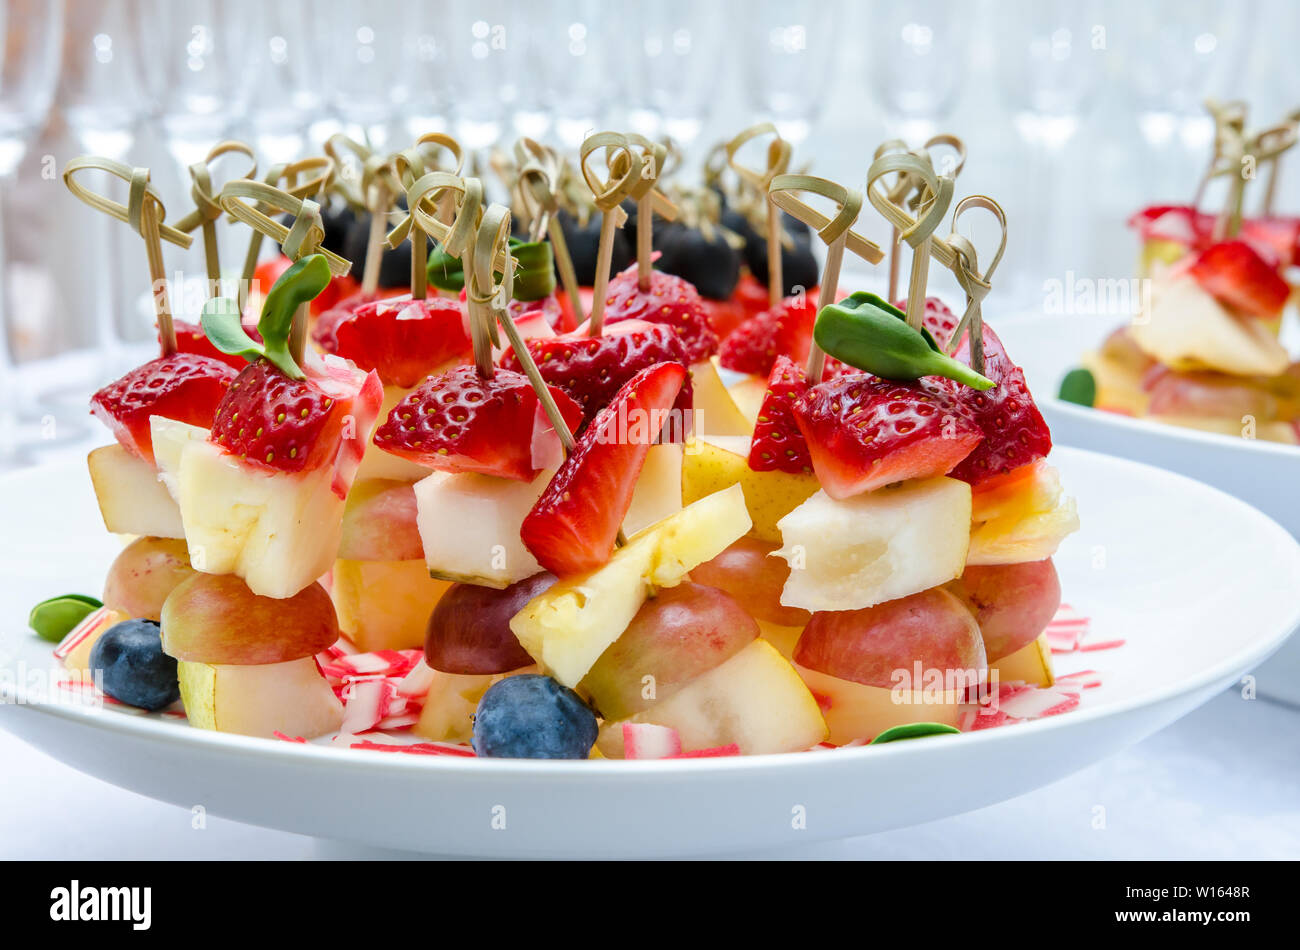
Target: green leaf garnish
(1079, 386)
(534, 276)
(914, 730)
(300, 283)
(872, 334)
(54, 618)
(445, 271)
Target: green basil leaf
(445, 272)
(54, 618)
(224, 329)
(1079, 386)
(534, 269)
(872, 334)
(301, 283)
(914, 730)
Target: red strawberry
(671, 301)
(593, 369)
(460, 422)
(573, 526)
(864, 432)
(784, 331)
(190, 338)
(939, 319)
(403, 340)
(778, 445)
(291, 425)
(1239, 277)
(186, 387)
(1014, 431)
(1276, 235)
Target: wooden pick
(834, 231)
(145, 214)
(1270, 190)
(965, 267)
(541, 173)
(244, 200)
(779, 152)
(625, 169)
(935, 196)
(290, 174)
(206, 207)
(410, 165)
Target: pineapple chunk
(291, 698)
(279, 532)
(876, 546)
(1023, 516)
(469, 525)
(658, 491)
(755, 699)
(568, 627)
(856, 711)
(131, 498)
(376, 463)
(1185, 328)
(1031, 664)
(748, 395)
(385, 605)
(719, 461)
(714, 412)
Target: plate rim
(175, 734)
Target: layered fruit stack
(1202, 350)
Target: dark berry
(533, 717)
(135, 669)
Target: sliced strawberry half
(778, 445)
(864, 432)
(401, 339)
(573, 526)
(460, 422)
(1014, 431)
(786, 330)
(1238, 276)
(294, 425)
(187, 387)
(190, 338)
(670, 300)
(593, 369)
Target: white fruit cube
(291, 698)
(376, 463)
(278, 531)
(755, 699)
(857, 711)
(131, 498)
(568, 627)
(1024, 520)
(658, 491)
(876, 546)
(469, 525)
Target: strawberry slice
(938, 319)
(1015, 433)
(573, 526)
(1180, 224)
(401, 339)
(864, 432)
(187, 387)
(1276, 236)
(1236, 274)
(460, 422)
(293, 425)
(593, 369)
(190, 338)
(671, 301)
(785, 330)
(778, 445)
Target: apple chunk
(854, 711)
(569, 626)
(379, 522)
(716, 462)
(142, 577)
(876, 546)
(291, 698)
(131, 498)
(755, 699)
(215, 618)
(384, 605)
(469, 526)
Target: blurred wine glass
(285, 115)
(790, 48)
(367, 83)
(428, 56)
(569, 76)
(30, 32)
(673, 65)
(918, 65)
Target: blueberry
(584, 243)
(136, 671)
(533, 717)
(713, 266)
(394, 263)
(798, 265)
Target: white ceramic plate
(1201, 586)
(1266, 474)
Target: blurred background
(1075, 114)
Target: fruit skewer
(778, 163)
(540, 171)
(375, 192)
